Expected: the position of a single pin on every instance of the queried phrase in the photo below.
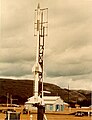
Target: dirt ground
(52, 116)
(66, 117)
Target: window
(51, 107)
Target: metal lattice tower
(43, 27)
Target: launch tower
(40, 31)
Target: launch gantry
(40, 31)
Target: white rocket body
(37, 68)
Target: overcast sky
(68, 47)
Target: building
(52, 103)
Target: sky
(68, 46)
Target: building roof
(33, 100)
(51, 97)
(52, 100)
(46, 99)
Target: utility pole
(7, 98)
(68, 94)
(11, 99)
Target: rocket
(37, 68)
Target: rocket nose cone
(36, 68)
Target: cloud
(15, 69)
(64, 82)
(68, 47)
(71, 62)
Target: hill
(23, 89)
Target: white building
(52, 103)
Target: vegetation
(23, 89)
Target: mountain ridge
(23, 89)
